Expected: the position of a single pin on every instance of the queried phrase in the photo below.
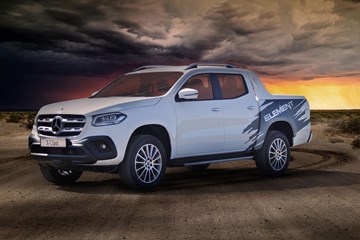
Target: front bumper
(85, 151)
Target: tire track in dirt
(326, 158)
(227, 201)
(246, 172)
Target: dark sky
(57, 50)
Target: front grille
(72, 125)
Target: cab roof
(193, 66)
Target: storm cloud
(68, 39)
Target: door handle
(251, 107)
(216, 109)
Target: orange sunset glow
(322, 93)
(51, 52)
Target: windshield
(141, 85)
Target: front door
(200, 121)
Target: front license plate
(46, 142)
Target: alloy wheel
(148, 163)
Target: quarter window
(232, 86)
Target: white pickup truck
(164, 116)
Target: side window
(201, 83)
(232, 86)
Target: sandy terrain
(319, 198)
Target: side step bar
(193, 163)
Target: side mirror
(188, 94)
(94, 93)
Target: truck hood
(92, 106)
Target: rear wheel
(60, 176)
(273, 159)
(144, 164)
(198, 168)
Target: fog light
(103, 146)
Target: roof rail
(195, 65)
(147, 67)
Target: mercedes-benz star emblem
(57, 125)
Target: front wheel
(144, 164)
(60, 176)
(273, 159)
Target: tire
(60, 176)
(199, 168)
(144, 164)
(273, 159)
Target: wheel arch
(284, 127)
(157, 131)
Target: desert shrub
(14, 118)
(336, 124)
(356, 143)
(352, 125)
(335, 140)
(326, 115)
(2, 115)
(30, 120)
(24, 118)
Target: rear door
(240, 110)
(200, 121)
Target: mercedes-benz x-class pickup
(169, 116)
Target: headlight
(108, 119)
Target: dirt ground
(319, 198)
